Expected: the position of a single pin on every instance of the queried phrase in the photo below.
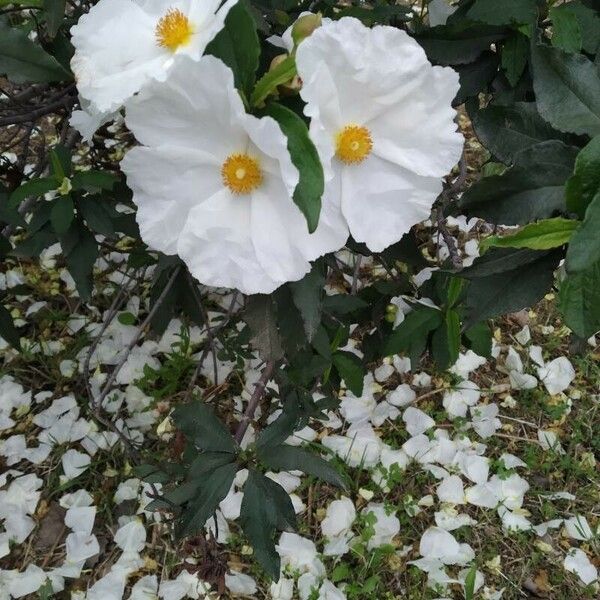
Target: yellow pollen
(173, 30)
(353, 144)
(241, 173)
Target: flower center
(353, 144)
(173, 30)
(241, 173)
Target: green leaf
(351, 370)
(207, 462)
(94, 181)
(203, 428)
(95, 215)
(507, 130)
(505, 12)
(515, 53)
(585, 182)
(584, 248)
(261, 317)
(32, 189)
(579, 301)
(533, 189)
(566, 32)
(8, 331)
(470, 580)
(292, 458)
(126, 318)
(411, 335)
(475, 77)
(22, 61)
(510, 290)
(307, 294)
(55, 12)
(279, 430)
(479, 337)
(445, 342)
(543, 235)
(80, 262)
(458, 44)
(238, 47)
(35, 243)
(567, 89)
(266, 508)
(62, 214)
(214, 489)
(343, 304)
(309, 190)
(268, 83)
(499, 260)
(588, 22)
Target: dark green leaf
(512, 290)
(506, 12)
(207, 462)
(585, 182)
(293, 458)
(507, 130)
(32, 189)
(261, 317)
(61, 161)
(588, 22)
(94, 181)
(307, 295)
(584, 247)
(279, 430)
(214, 489)
(533, 189)
(80, 262)
(411, 335)
(35, 243)
(238, 47)
(499, 260)
(566, 32)
(479, 337)
(21, 60)
(445, 342)
(476, 76)
(351, 370)
(309, 190)
(62, 214)
(266, 508)
(458, 44)
(8, 331)
(342, 304)
(579, 301)
(515, 53)
(97, 218)
(567, 88)
(203, 428)
(55, 12)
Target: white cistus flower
(214, 184)
(382, 121)
(120, 45)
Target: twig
(257, 395)
(357, 263)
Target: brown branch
(259, 392)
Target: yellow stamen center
(353, 144)
(241, 173)
(173, 30)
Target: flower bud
(304, 26)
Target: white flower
(360, 446)
(74, 463)
(337, 526)
(215, 184)
(299, 554)
(240, 584)
(467, 362)
(386, 526)
(484, 419)
(557, 375)
(451, 490)
(121, 45)
(549, 441)
(576, 561)
(578, 528)
(283, 589)
(457, 401)
(145, 589)
(437, 543)
(417, 421)
(403, 395)
(382, 121)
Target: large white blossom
(382, 121)
(121, 45)
(215, 184)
